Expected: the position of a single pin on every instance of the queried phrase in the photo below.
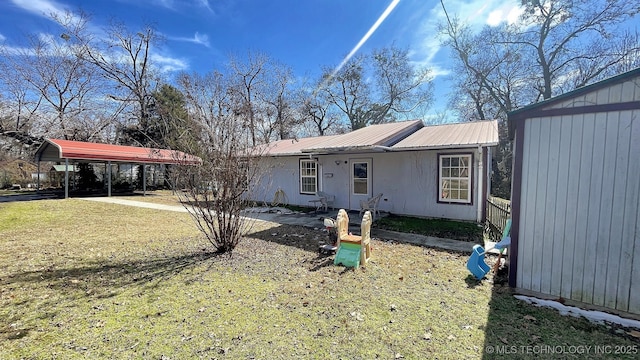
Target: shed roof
(468, 134)
(63, 168)
(545, 108)
(57, 150)
(579, 91)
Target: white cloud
(169, 64)
(205, 4)
(426, 47)
(44, 8)
(506, 13)
(169, 4)
(478, 13)
(2, 38)
(200, 39)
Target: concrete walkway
(313, 221)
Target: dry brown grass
(80, 279)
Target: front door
(360, 187)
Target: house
(575, 196)
(16, 171)
(430, 171)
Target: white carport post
(144, 180)
(66, 178)
(109, 178)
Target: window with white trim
(454, 178)
(308, 176)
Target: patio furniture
(371, 204)
(476, 264)
(323, 201)
(353, 250)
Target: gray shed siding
(578, 234)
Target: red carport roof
(57, 150)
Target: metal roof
(292, 146)
(400, 136)
(63, 168)
(579, 91)
(381, 135)
(57, 150)
(467, 134)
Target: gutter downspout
(480, 185)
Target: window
(308, 176)
(455, 178)
(361, 178)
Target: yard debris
(634, 333)
(529, 317)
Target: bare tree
(124, 58)
(318, 112)
(248, 82)
(278, 99)
(50, 84)
(566, 34)
(555, 47)
(19, 117)
(349, 92)
(398, 87)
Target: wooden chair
(348, 241)
(371, 204)
(365, 234)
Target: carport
(69, 151)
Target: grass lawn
(442, 228)
(80, 279)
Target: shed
(69, 151)
(576, 194)
(57, 174)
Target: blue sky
(304, 34)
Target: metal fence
(498, 211)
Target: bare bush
(216, 191)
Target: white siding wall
(408, 181)
(579, 236)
